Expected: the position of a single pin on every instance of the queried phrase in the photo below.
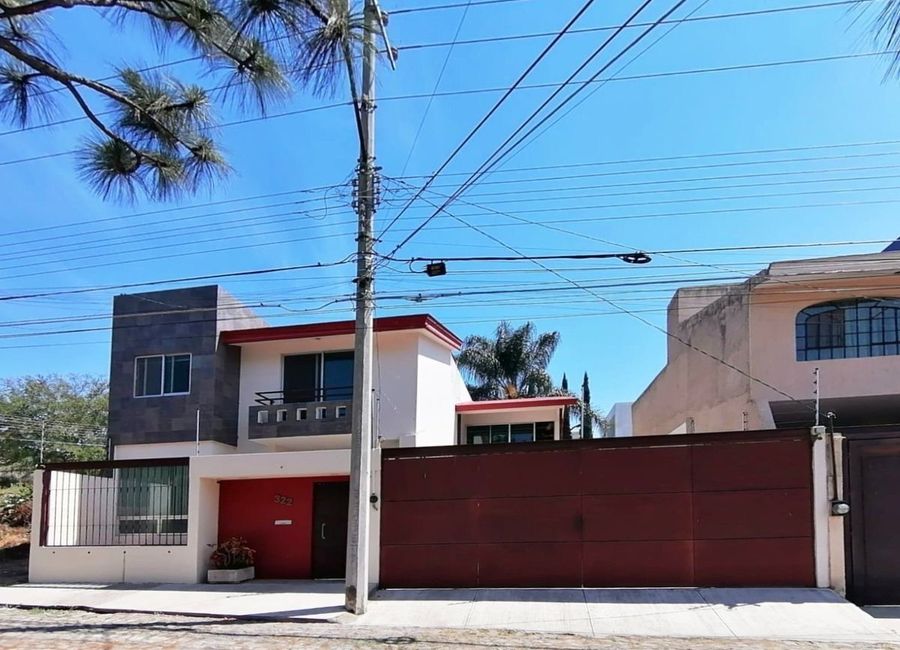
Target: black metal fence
(115, 503)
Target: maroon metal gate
(724, 509)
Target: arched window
(861, 327)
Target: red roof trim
(526, 402)
(338, 328)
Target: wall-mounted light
(840, 508)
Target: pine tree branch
(47, 69)
(45, 5)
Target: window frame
(162, 374)
(488, 433)
(319, 389)
(865, 326)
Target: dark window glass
(177, 374)
(318, 377)
(152, 493)
(478, 435)
(521, 432)
(499, 433)
(543, 431)
(337, 378)
(301, 372)
(148, 376)
(847, 329)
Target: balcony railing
(292, 413)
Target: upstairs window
(320, 377)
(847, 329)
(162, 374)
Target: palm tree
(886, 30)
(510, 365)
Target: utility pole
(356, 593)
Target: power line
(497, 155)
(437, 84)
(172, 209)
(678, 21)
(456, 5)
(494, 108)
(272, 218)
(312, 213)
(193, 278)
(714, 154)
(496, 89)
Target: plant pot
(230, 575)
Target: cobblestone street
(57, 629)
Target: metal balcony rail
(115, 503)
(300, 396)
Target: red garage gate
(725, 509)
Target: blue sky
(814, 195)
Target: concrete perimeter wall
(186, 563)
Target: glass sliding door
(337, 376)
(301, 372)
(318, 377)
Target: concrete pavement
(801, 614)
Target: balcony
(283, 414)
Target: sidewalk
(799, 614)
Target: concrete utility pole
(357, 580)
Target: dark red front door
(874, 490)
(329, 552)
(275, 516)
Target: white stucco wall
(393, 376)
(439, 388)
(620, 420)
(101, 564)
(394, 380)
(171, 450)
(185, 563)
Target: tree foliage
(155, 136)
(510, 365)
(70, 410)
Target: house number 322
(283, 500)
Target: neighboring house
(840, 315)
(618, 421)
(223, 426)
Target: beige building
(839, 314)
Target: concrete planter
(230, 575)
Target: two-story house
(222, 426)
(824, 327)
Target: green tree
(152, 133)
(587, 425)
(510, 365)
(69, 410)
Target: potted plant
(232, 561)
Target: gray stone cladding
(177, 321)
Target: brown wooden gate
(873, 488)
(724, 509)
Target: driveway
(800, 614)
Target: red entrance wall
(708, 510)
(250, 508)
